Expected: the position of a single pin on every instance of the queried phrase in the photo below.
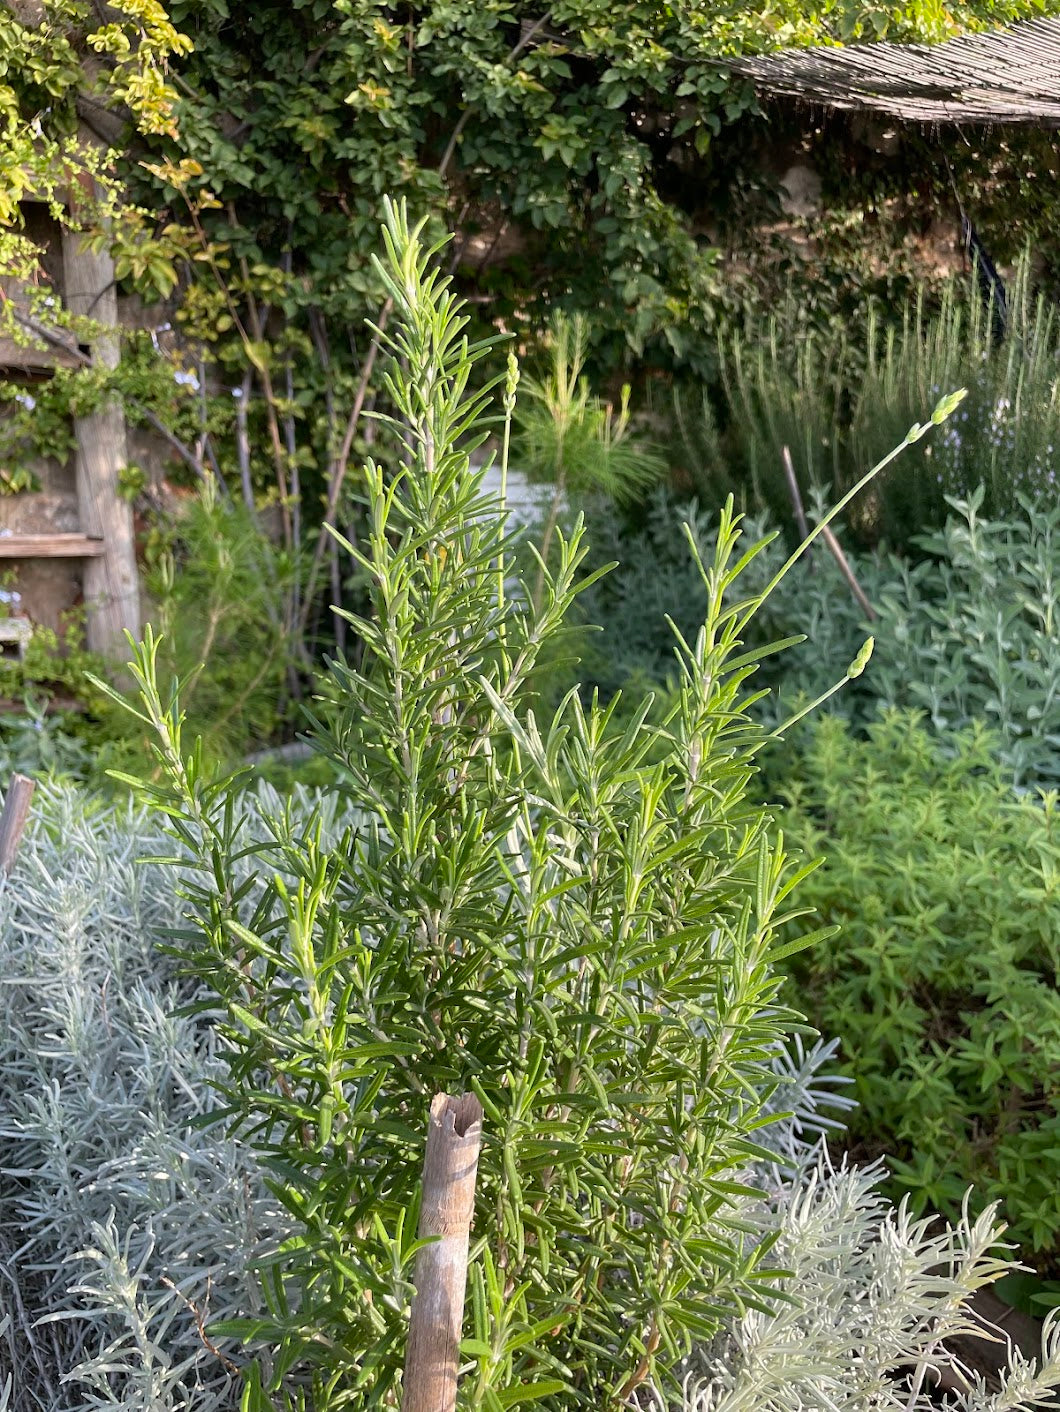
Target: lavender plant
(124, 1224)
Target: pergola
(1005, 76)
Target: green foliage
(35, 742)
(569, 144)
(942, 985)
(219, 590)
(576, 922)
(58, 723)
(127, 1219)
(573, 440)
(839, 395)
(965, 633)
(577, 444)
(150, 383)
(216, 585)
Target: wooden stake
(450, 1167)
(848, 573)
(13, 819)
(793, 491)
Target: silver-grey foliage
(118, 1216)
(878, 1296)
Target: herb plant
(124, 1221)
(942, 985)
(965, 633)
(840, 396)
(578, 922)
(129, 1227)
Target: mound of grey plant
(879, 1298)
(123, 1224)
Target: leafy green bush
(216, 585)
(969, 632)
(577, 922)
(942, 985)
(841, 396)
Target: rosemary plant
(576, 920)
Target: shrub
(218, 585)
(840, 397)
(967, 633)
(120, 1214)
(112, 1195)
(942, 985)
(880, 1300)
(578, 922)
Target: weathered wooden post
(13, 819)
(111, 584)
(450, 1167)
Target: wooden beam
(34, 356)
(51, 546)
(112, 583)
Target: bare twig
(49, 336)
(829, 538)
(793, 491)
(200, 1323)
(243, 445)
(848, 573)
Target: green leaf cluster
(966, 632)
(841, 393)
(942, 982)
(568, 143)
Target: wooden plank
(22, 350)
(50, 546)
(35, 356)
